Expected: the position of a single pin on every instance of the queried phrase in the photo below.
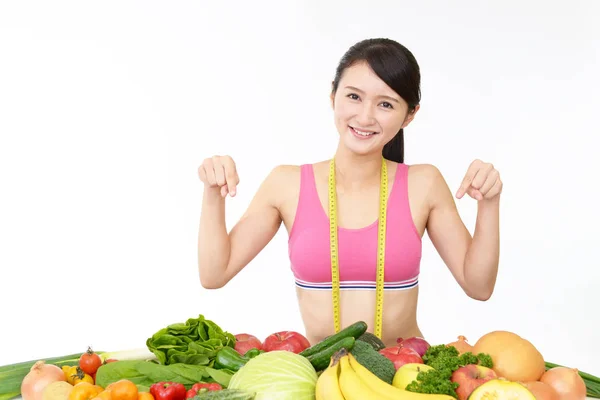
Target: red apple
(245, 342)
(286, 340)
(401, 355)
(470, 377)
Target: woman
(375, 95)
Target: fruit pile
(501, 365)
(197, 360)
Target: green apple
(408, 373)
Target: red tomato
(286, 340)
(89, 362)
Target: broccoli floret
(375, 362)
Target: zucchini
(355, 330)
(225, 394)
(373, 340)
(321, 360)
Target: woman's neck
(354, 171)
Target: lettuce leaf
(195, 342)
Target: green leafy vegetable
(194, 342)
(444, 360)
(146, 373)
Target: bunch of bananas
(346, 379)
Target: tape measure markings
(333, 230)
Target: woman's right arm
(221, 255)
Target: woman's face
(367, 112)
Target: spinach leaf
(221, 376)
(146, 373)
(126, 369)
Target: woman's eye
(387, 105)
(353, 96)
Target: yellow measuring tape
(333, 231)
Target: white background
(107, 109)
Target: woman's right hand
(219, 172)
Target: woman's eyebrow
(380, 96)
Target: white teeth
(363, 133)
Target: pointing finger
(466, 183)
(469, 176)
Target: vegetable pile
(197, 360)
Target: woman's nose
(366, 116)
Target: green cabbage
(280, 375)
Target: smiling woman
(355, 222)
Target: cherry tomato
(89, 362)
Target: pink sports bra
(309, 248)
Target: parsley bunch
(444, 360)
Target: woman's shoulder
(427, 177)
(288, 173)
(429, 182)
(427, 171)
(282, 177)
(281, 173)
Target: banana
(354, 388)
(328, 387)
(383, 390)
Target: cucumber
(355, 330)
(225, 394)
(321, 360)
(373, 340)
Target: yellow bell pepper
(85, 378)
(66, 369)
(74, 375)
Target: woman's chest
(357, 209)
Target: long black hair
(398, 68)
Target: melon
(501, 389)
(514, 357)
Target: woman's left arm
(473, 261)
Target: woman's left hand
(481, 182)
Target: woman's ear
(410, 116)
(332, 94)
